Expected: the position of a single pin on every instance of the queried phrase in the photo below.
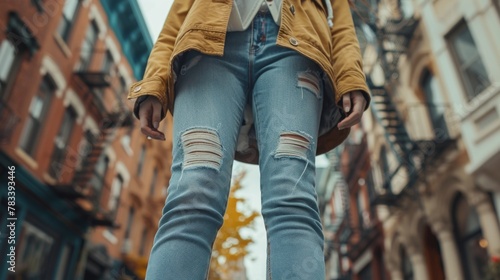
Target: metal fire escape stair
(393, 40)
(109, 126)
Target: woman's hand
(150, 116)
(356, 101)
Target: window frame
(29, 139)
(61, 142)
(99, 176)
(142, 247)
(86, 59)
(464, 239)
(116, 198)
(130, 221)
(437, 118)
(454, 33)
(107, 62)
(154, 179)
(68, 22)
(12, 71)
(142, 156)
(407, 269)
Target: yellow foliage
(137, 264)
(230, 247)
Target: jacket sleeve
(157, 74)
(345, 53)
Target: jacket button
(294, 41)
(137, 89)
(292, 9)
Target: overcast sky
(155, 12)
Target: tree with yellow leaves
(230, 247)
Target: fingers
(156, 114)
(346, 102)
(354, 117)
(149, 116)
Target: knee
(202, 148)
(293, 144)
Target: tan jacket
(303, 27)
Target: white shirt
(244, 11)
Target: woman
(260, 82)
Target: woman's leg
(287, 102)
(207, 117)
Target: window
(100, 170)
(406, 266)
(384, 165)
(61, 142)
(363, 221)
(123, 86)
(38, 109)
(130, 220)
(35, 249)
(68, 16)
(141, 160)
(435, 104)
(107, 62)
(88, 44)
(370, 185)
(470, 240)
(11, 60)
(366, 273)
(143, 241)
(114, 199)
(64, 264)
(406, 8)
(470, 66)
(153, 182)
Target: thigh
(287, 101)
(209, 103)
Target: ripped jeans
(285, 91)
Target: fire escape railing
(84, 184)
(413, 156)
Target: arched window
(470, 240)
(435, 104)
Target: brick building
(432, 136)
(89, 187)
(353, 231)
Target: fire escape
(414, 156)
(390, 41)
(87, 183)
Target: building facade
(353, 231)
(433, 135)
(88, 187)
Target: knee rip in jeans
(310, 81)
(202, 148)
(292, 144)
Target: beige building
(434, 133)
